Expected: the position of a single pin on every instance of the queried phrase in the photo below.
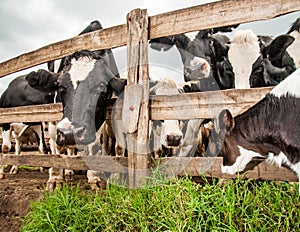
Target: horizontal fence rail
(182, 106)
(168, 107)
(221, 13)
(192, 166)
(37, 113)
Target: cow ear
(43, 80)
(278, 47)
(226, 120)
(118, 85)
(220, 50)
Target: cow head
(168, 131)
(201, 56)
(231, 142)
(274, 64)
(83, 87)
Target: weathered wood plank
(217, 14)
(138, 74)
(205, 104)
(101, 39)
(182, 106)
(132, 103)
(97, 163)
(210, 15)
(36, 113)
(196, 105)
(211, 167)
(175, 166)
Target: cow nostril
(173, 140)
(204, 66)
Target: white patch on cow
(243, 51)
(56, 65)
(191, 35)
(240, 164)
(169, 128)
(80, 69)
(6, 141)
(289, 86)
(205, 67)
(293, 49)
(64, 124)
(278, 160)
(18, 128)
(296, 168)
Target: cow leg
(14, 169)
(95, 181)
(55, 174)
(39, 134)
(6, 146)
(69, 174)
(55, 179)
(52, 137)
(6, 139)
(120, 151)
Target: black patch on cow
(272, 125)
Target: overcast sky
(27, 25)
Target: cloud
(31, 24)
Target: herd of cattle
(212, 61)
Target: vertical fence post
(135, 114)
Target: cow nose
(65, 137)
(173, 140)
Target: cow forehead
(80, 69)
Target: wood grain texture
(138, 78)
(195, 105)
(175, 166)
(216, 14)
(36, 113)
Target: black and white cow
(19, 93)
(270, 129)
(260, 61)
(204, 58)
(84, 85)
(293, 49)
(243, 52)
(165, 134)
(274, 64)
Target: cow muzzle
(173, 140)
(74, 136)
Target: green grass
(180, 205)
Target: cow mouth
(172, 141)
(74, 136)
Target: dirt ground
(18, 191)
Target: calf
(270, 129)
(167, 133)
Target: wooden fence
(138, 29)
